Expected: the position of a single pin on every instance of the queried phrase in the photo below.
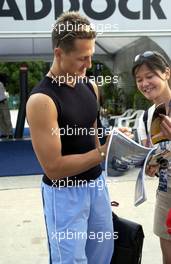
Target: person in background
(5, 118)
(152, 75)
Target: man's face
(76, 62)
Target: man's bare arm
(42, 118)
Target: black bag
(128, 246)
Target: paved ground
(14, 114)
(22, 230)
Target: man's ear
(58, 53)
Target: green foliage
(114, 96)
(36, 70)
(140, 102)
(129, 99)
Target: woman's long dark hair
(155, 61)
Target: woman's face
(150, 84)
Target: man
(62, 112)
(5, 119)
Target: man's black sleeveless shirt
(77, 112)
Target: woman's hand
(166, 126)
(152, 170)
(126, 131)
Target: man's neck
(61, 78)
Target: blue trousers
(79, 223)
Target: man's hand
(124, 130)
(103, 148)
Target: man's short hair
(69, 27)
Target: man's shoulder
(44, 83)
(39, 105)
(42, 90)
(94, 87)
(36, 100)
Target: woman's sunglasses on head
(146, 54)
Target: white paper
(123, 154)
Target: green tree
(140, 102)
(36, 70)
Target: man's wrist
(102, 153)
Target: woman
(152, 74)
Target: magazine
(123, 154)
(155, 130)
(140, 192)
